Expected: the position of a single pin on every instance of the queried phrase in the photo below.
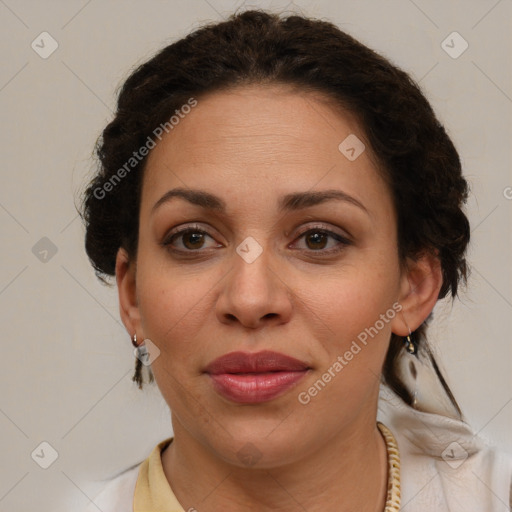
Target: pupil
(195, 237)
(317, 238)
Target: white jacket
(444, 466)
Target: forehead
(251, 135)
(250, 117)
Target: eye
(317, 239)
(192, 239)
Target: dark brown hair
(414, 152)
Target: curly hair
(414, 152)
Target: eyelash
(167, 243)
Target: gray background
(66, 358)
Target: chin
(266, 447)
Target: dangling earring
(137, 376)
(141, 361)
(412, 349)
(410, 343)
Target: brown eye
(193, 239)
(317, 240)
(190, 239)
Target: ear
(420, 284)
(127, 291)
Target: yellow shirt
(152, 490)
(444, 466)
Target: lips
(260, 362)
(252, 378)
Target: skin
(250, 146)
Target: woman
(281, 210)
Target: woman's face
(276, 262)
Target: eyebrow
(288, 202)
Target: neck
(345, 473)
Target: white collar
(428, 433)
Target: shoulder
(117, 495)
(444, 465)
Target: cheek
(354, 300)
(173, 313)
(356, 341)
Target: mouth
(253, 378)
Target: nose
(254, 293)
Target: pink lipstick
(252, 378)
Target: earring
(141, 361)
(410, 343)
(137, 376)
(141, 351)
(412, 350)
